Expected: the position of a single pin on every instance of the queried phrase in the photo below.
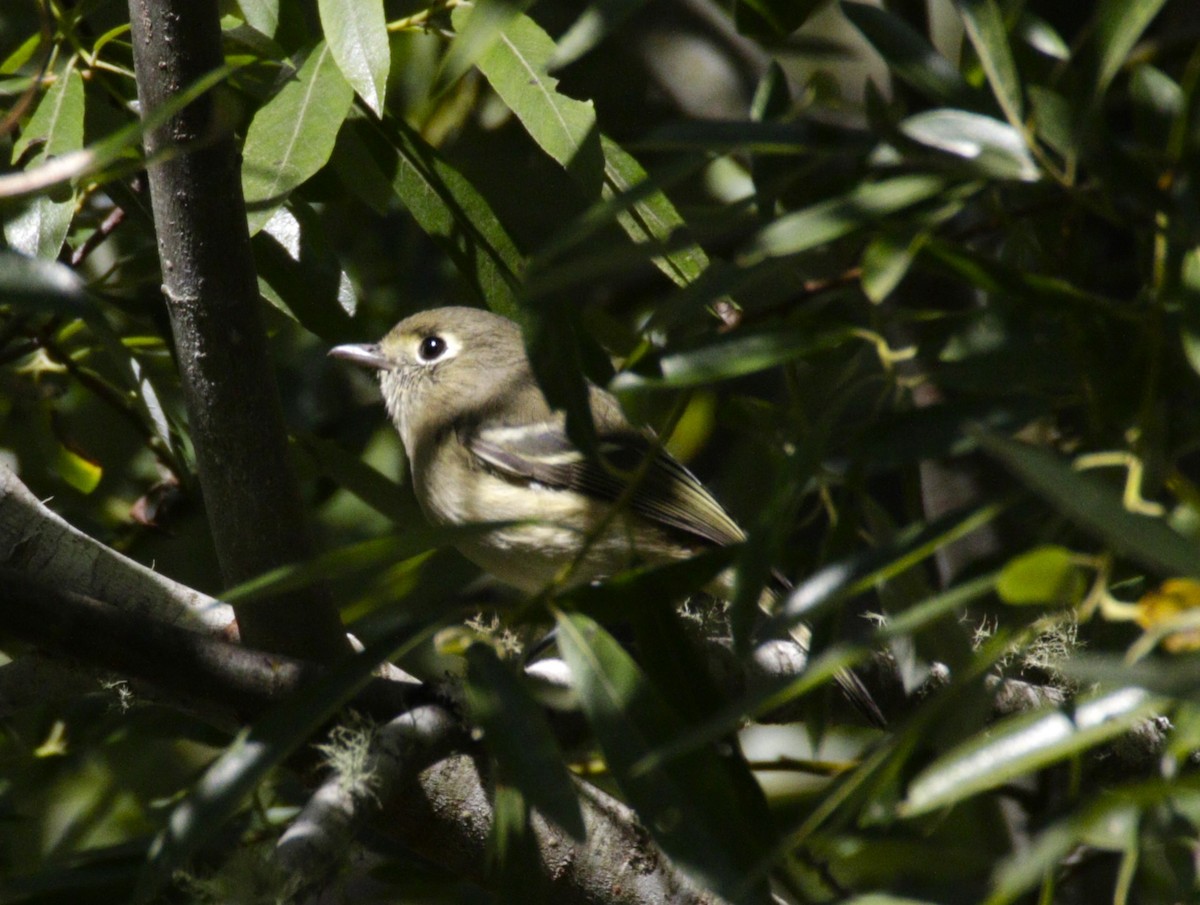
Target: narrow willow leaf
(517, 67)
(1119, 25)
(885, 262)
(744, 353)
(354, 558)
(292, 135)
(861, 208)
(515, 731)
(1114, 815)
(686, 805)
(458, 218)
(652, 219)
(985, 27)
(78, 470)
(993, 147)
(357, 37)
(41, 228)
(302, 272)
(908, 54)
(476, 32)
(1097, 508)
(1023, 744)
(396, 501)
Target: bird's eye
(432, 348)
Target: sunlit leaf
(78, 470)
(985, 27)
(826, 221)
(992, 146)
(475, 34)
(1023, 744)
(516, 66)
(744, 353)
(56, 129)
(357, 37)
(1045, 576)
(261, 15)
(292, 135)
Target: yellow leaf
(1172, 599)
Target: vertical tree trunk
(254, 507)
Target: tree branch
(236, 421)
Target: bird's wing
(667, 493)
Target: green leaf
(985, 27)
(1045, 575)
(744, 353)
(886, 261)
(261, 15)
(908, 54)
(292, 135)
(302, 275)
(1018, 746)
(476, 32)
(651, 219)
(1119, 25)
(396, 501)
(1189, 322)
(861, 208)
(598, 20)
(78, 470)
(686, 805)
(516, 66)
(358, 38)
(1096, 508)
(515, 731)
(993, 147)
(458, 218)
(57, 126)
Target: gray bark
(254, 507)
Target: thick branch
(254, 507)
(38, 543)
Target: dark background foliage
(914, 287)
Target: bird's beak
(367, 355)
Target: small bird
(485, 446)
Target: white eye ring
(431, 348)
